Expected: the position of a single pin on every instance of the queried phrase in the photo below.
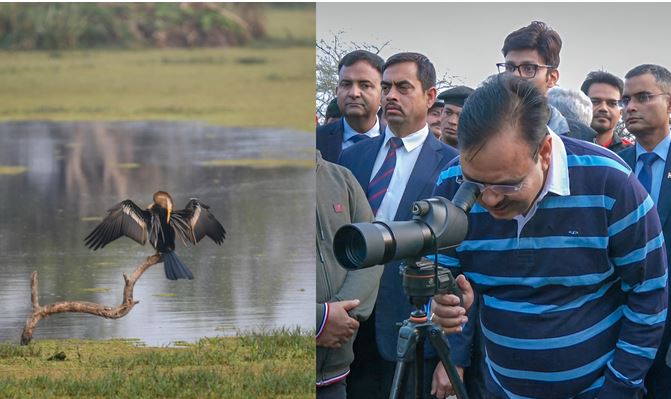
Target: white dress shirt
(406, 158)
(348, 133)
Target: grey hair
(573, 104)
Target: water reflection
(262, 276)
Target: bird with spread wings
(158, 224)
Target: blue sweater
(573, 307)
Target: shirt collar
(411, 141)
(557, 181)
(662, 149)
(349, 132)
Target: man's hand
(447, 311)
(339, 326)
(441, 385)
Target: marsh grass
(275, 364)
(267, 84)
(239, 87)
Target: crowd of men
(563, 271)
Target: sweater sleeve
(360, 284)
(636, 250)
(461, 344)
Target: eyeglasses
(640, 98)
(502, 189)
(525, 70)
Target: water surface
(62, 177)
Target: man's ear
(431, 97)
(545, 152)
(552, 77)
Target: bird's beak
(169, 212)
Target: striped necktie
(380, 183)
(645, 174)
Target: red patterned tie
(380, 183)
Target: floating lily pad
(167, 295)
(12, 170)
(261, 163)
(92, 219)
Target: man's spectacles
(525, 70)
(640, 98)
(502, 189)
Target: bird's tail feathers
(174, 268)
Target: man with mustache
(453, 99)
(433, 118)
(358, 98)
(564, 250)
(646, 104)
(604, 91)
(395, 169)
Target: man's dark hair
(355, 56)
(661, 74)
(602, 77)
(537, 36)
(503, 101)
(426, 73)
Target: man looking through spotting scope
(395, 169)
(564, 251)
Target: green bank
(267, 83)
(279, 364)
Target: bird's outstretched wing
(124, 219)
(195, 222)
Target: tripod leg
(441, 344)
(419, 368)
(397, 384)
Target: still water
(58, 179)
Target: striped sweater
(574, 305)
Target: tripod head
(422, 279)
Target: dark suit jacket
(660, 372)
(392, 305)
(329, 139)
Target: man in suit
(395, 169)
(358, 97)
(646, 104)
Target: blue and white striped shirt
(574, 303)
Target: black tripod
(412, 335)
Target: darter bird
(158, 224)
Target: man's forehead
(453, 108)
(525, 55)
(603, 90)
(360, 70)
(399, 72)
(639, 83)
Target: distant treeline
(49, 26)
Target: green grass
(278, 364)
(217, 86)
(268, 84)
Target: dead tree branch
(127, 302)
